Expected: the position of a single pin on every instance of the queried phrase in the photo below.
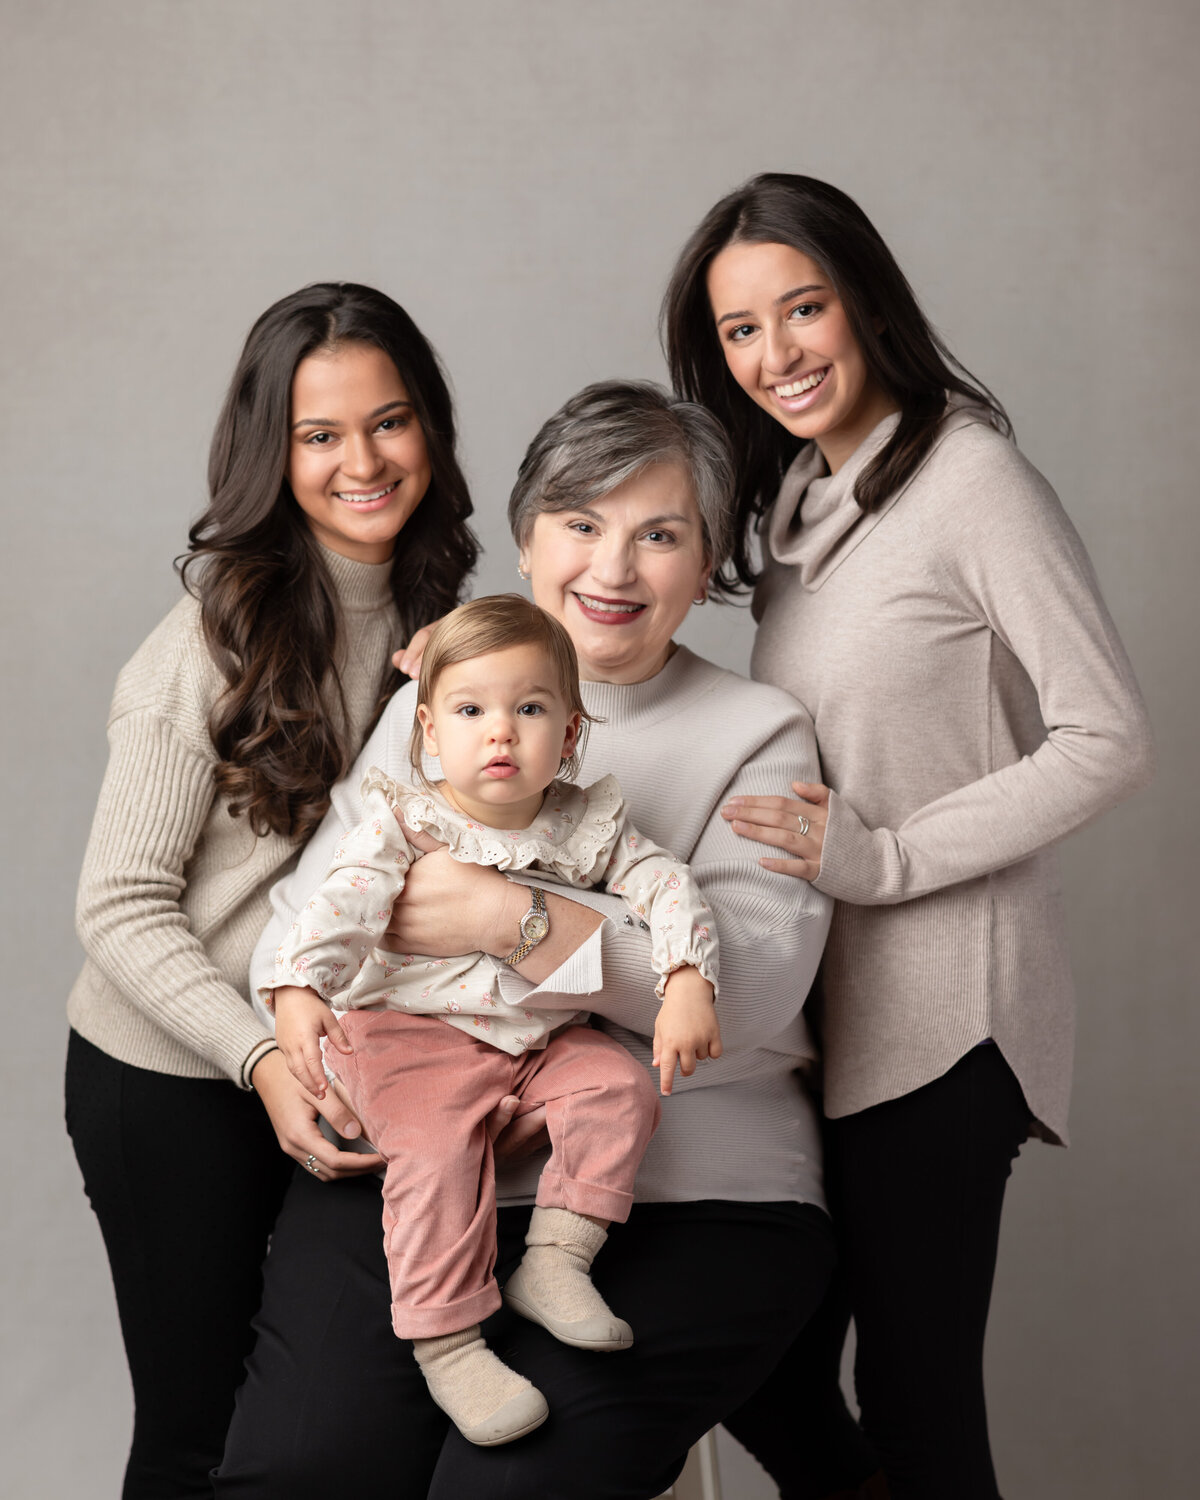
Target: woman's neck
(839, 446)
(625, 676)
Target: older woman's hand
(798, 826)
(447, 907)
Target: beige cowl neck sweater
(173, 893)
(973, 705)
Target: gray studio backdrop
(520, 175)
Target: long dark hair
(902, 352)
(267, 603)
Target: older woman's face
(621, 572)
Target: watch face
(535, 927)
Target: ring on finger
(805, 825)
(313, 1165)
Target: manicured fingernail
(351, 1130)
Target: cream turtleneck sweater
(173, 893)
(973, 704)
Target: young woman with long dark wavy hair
(925, 597)
(337, 524)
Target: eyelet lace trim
(571, 837)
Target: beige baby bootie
(552, 1285)
(488, 1403)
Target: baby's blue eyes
(525, 710)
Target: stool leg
(701, 1477)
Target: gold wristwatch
(535, 924)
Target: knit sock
(553, 1286)
(486, 1401)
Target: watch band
(535, 924)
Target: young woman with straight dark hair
(925, 597)
(227, 730)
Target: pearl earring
(521, 572)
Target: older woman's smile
(609, 611)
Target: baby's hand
(686, 1030)
(301, 1019)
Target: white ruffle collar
(571, 834)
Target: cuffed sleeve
(385, 748)
(330, 939)
(660, 890)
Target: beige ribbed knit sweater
(173, 893)
(973, 705)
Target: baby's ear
(571, 738)
(428, 733)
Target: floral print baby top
(581, 837)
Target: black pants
(916, 1187)
(797, 1424)
(185, 1177)
(334, 1403)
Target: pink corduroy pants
(423, 1091)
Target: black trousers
(916, 1186)
(185, 1176)
(334, 1404)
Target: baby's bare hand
(686, 1031)
(301, 1019)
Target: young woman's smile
(788, 344)
(358, 464)
(621, 572)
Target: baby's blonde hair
(492, 624)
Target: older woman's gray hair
(608, 433)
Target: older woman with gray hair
(620, 515)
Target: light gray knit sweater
(173, 893)
(744, 1127)
(973, 705)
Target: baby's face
(500, 727)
